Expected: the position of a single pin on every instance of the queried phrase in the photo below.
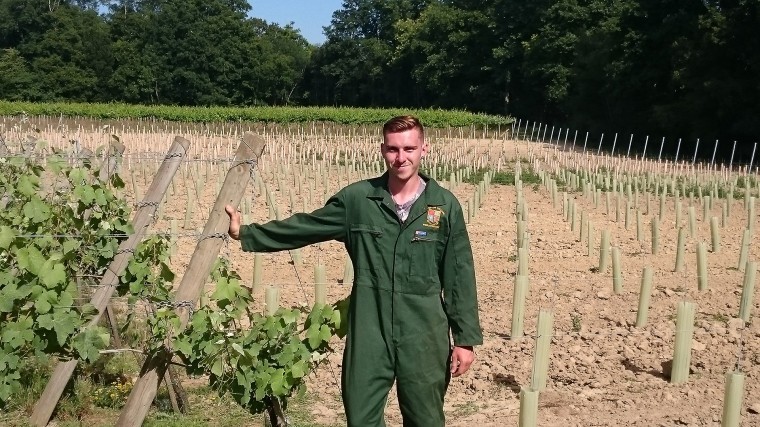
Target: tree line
(182, 52)
(674, 68)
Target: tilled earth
(603, 370)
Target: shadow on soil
(664, 374)
(507, 381)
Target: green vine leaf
(42, 304)
(6, 237)
(89, 343)
(27, 185)
(54, 276)
(66, 323)
(30, 259)
(36, 210)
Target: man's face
(402, 152)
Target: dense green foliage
(267, 360)
(60, 227)
(433, 118)
(661, 68)
(672, 68)
(190, 52)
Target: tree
(278, 59)
(443, 42)
(16, 81)
(356, 60)
(67, 48)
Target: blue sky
(309, 16)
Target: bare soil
(603, 371)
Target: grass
(719, 317)
(576, 320)
(80, 405)
(465, 409)
(505, 177)
(206, 410)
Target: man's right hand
(235, 220)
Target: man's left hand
(461, 359)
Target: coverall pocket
(425, 256)
(365, 247)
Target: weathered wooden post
(191, 286)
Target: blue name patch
(420, 233)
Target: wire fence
(527, 130)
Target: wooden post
(107, 169)
(44, 408)
(191, 286)
(110, 165)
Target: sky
(309, 16)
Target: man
(414, 281)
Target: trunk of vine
(275, 417)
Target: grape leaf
(86, 309)
(66, 300)
(65, 325)
(341, 307)
(183, 346)
(299, 369)
(78, 176)
(46, 321)
(30, 259)
(26, 186)
(36, 210)
(54, 276)
(89, 342)
(238, 348)
(42, 305)
(8, 296)
(6, 237)
(71, 245)
(225, 291)
(217, 368)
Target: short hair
(403, 123)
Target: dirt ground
(603, 370)
(607, 373)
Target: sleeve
(457, 274)
(299, 230)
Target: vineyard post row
(734, 386)
(206, 251)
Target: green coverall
(413, 283)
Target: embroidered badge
(434, 215)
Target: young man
(414, 281)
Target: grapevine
(60, 227)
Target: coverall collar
(432, 196)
